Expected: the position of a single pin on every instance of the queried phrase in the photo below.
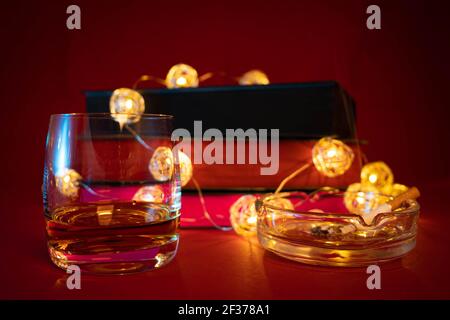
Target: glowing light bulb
(332, 157)
(161, 164)
(362, 199)
(186, 169)
(331, 153)
(153, 194)
(182, 76)
(252, 220)
(181, 82)
(243, 215)
(129, 104)
(253, 77)
(126, 106)
(378, 175)
(68, 182)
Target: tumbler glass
(112, 192)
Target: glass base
(342, 257)
(115, 255)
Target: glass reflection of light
(62, 150)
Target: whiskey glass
(112, 193)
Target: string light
(254, 77)
(362, 199)
(182, 76)
(161, 164)
(378, 175)
(244, 214)
(126, 106)
(332, 157)
(185, 76)
(68, 182)
(375, 189)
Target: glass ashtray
(319, 230)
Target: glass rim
(108, 115)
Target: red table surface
(212, 264)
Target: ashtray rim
(335, 239)
(413, 207)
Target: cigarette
(410, 194)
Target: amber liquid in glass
(113, 237)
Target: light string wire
(350, 120)
(292, 176)
(93, 192)
(205, 210)
(202, 78)
(141, 141)
(139, 138)
(146, 77)
(312, 194)
(84, 185)
(196, 184)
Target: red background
(399, 75)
